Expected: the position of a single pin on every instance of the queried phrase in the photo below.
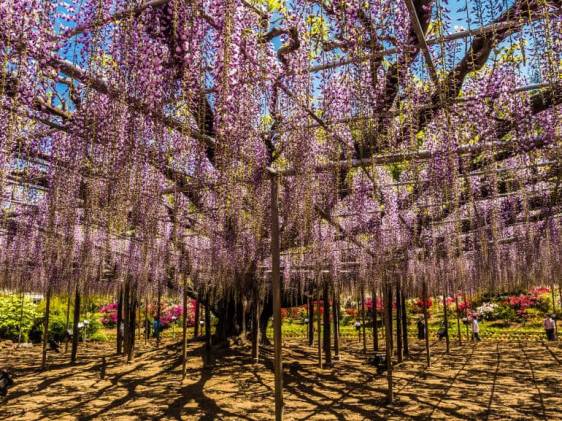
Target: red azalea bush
(369, 304)
(424, 304)
(464, 306)
(538, 291)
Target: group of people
(549, 327)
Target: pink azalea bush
(109, 314)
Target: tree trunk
(46, 326)
(327, 333)
(76, 321)
(398, 323)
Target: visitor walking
(549, 327)
(475, 328)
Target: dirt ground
(487, 381)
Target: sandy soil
(487, 381)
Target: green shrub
(12, 316)
(98, 336)
(58, 318)
(505, 312)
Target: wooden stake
(67, 324)
(458, 319)
(76, 321)
(375, 321)
(319, 326)
(119, 336)
(425, 318)
(398, 323)
(446, 321)
(336, 319)
(158, 314)
(276, 289)
(197, 317)
(184, 330)
(256, 331)
(310, 321)
(46, 326)
(404, 325)
(362, 292)
(388, 347)
(326, 328)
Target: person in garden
(475, 328)
(421, 328)
(549, 327)
(443, 331)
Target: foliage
(14, 316)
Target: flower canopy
(413, 139)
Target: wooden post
(446, 321)
(276, 289)
(362, 292)
(458, 319)
(310, 321)
(326, 328)
(208, 340)
(388, 347)
(375, 321)
(120, 321)
(158, 314)
(398, 323)
(132, 312)
(46, 326)
(553, 301)
(404, 325)
(75, 320)
(67, 324)
(425, 318)
(466, 314)
(184, 330)
(197, 317)
(389, 310)
(126, 315)
(319, 327)
(336, 319)
(146, 321)
(256, 331)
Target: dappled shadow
(483, 381)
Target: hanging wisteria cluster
(137, 140)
